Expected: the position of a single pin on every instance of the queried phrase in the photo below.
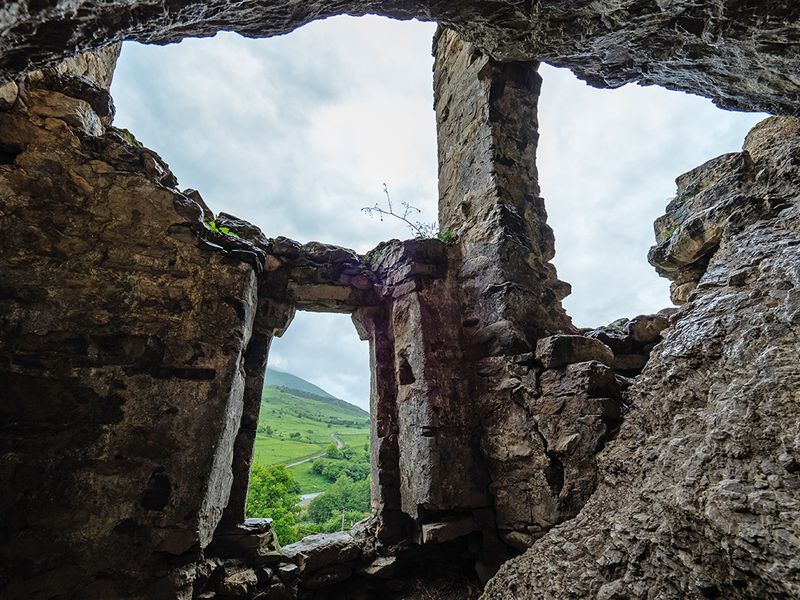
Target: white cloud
(297, 133)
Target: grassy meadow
(297, 424)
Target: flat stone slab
(444, 531)
(322, 550)
(383, 567)
(254, 536)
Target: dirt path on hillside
(339, 446)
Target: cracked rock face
(698, 493)
(741, 53)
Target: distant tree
(343, 496)
(295, 435)
(274, 493)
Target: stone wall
(538, 449)
(122, 347)
(134, 345)
(698, 493)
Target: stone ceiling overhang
(743, 54)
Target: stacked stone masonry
(653, 457)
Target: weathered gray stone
(76, 113)
(711, 199)
(237, 582)
(693, 500)
(288, 573)
(489, 197)
(8, 95)
(254, 537)
(328, 576)
(517, 540)
(632, 340)
(444, 531)
(646, 329)
(315, 552)
(561, 350)
(629, 362)
(278, 591)
(383, 567)
(131, 454)
(426, 454)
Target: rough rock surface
(539, 427)
(698, 493)
(561, 350)
(110, 366)
(632, 340)
(741, 53)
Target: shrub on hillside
(347, 461)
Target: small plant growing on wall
(211, 225)
(422, 231)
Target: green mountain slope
(296, 424)
(293, 382)
(300, 388)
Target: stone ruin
(514, 456)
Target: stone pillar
(271, 316)
(489, 200)
(486, 114)
(373, 325)
(426, 464)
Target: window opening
(607, 164)
(311, 463)
(297, 133)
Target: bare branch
(421, 230)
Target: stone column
(489, 200)
(487, 121)
(272, 315)
(426, 464)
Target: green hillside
(277, 378)
(298, 424)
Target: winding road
(305, 499)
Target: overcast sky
(296, 134)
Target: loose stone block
(383, 567)
(444, 531)
(237, 582)
(561, 350)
